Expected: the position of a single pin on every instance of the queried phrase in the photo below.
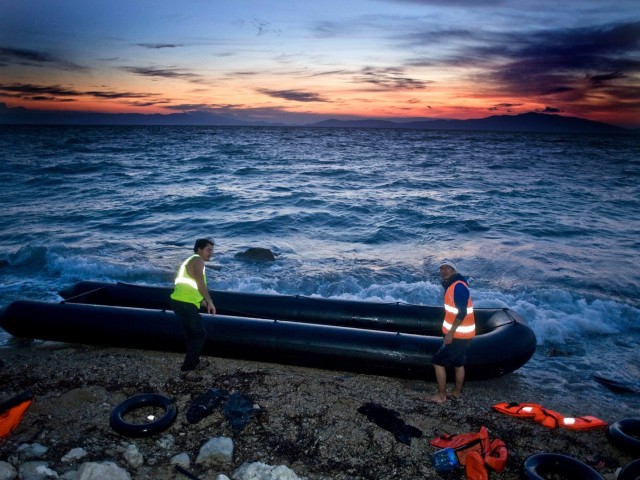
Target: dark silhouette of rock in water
(257, 254)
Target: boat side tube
(501, 351)
(396, 317)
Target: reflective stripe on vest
(186, 289)
(467, 329)
(183, 276)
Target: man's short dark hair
(202, 243)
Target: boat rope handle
(83, 294)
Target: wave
(557, 316)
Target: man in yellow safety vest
(191, 293)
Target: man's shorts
(452, 355)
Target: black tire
(625, 434)
(127, 429)
(631, 471)
(541, 464)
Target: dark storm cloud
(389, 79)
(33, 58)
(293, 95)
(174, 73)
(158, 46)
(606, 77)
(565, 62)
(558, 61)
(55, 92)
(22, 90)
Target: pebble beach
(304, 418)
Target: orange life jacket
(474, 469)
(12, 411)
(548, 418)
(493, 453)
(467, 329)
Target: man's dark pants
(195, 333)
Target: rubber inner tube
(631, 471)
(537, 466)
(120, 425)
(625, 434)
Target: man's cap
(448, 262)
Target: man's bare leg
(441, 378)
(457, 392)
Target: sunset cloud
(56, 92)
(293, 95)
(366, 59)
(34, 58)
(172, 73)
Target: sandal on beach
(205, 404)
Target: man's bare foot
(437, 399)
(455, 396)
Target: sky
(302, 61)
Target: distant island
(525, 122)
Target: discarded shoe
(205, 404)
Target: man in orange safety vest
(458, 327)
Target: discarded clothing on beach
(205, 404)
(390, 420)
(238, 410)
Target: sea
(547, 225)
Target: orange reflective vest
(467, 329)
(12, 411)
(548, 418)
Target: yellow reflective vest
(186, 289)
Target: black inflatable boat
(394, 339)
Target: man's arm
(195, 268)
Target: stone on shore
(102, 471)
(7, 472)
(74, 454)
(218, 450)
(36, 470)
(133, 456)
(262, 471)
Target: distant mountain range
(526, 122)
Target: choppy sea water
(548, 225)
